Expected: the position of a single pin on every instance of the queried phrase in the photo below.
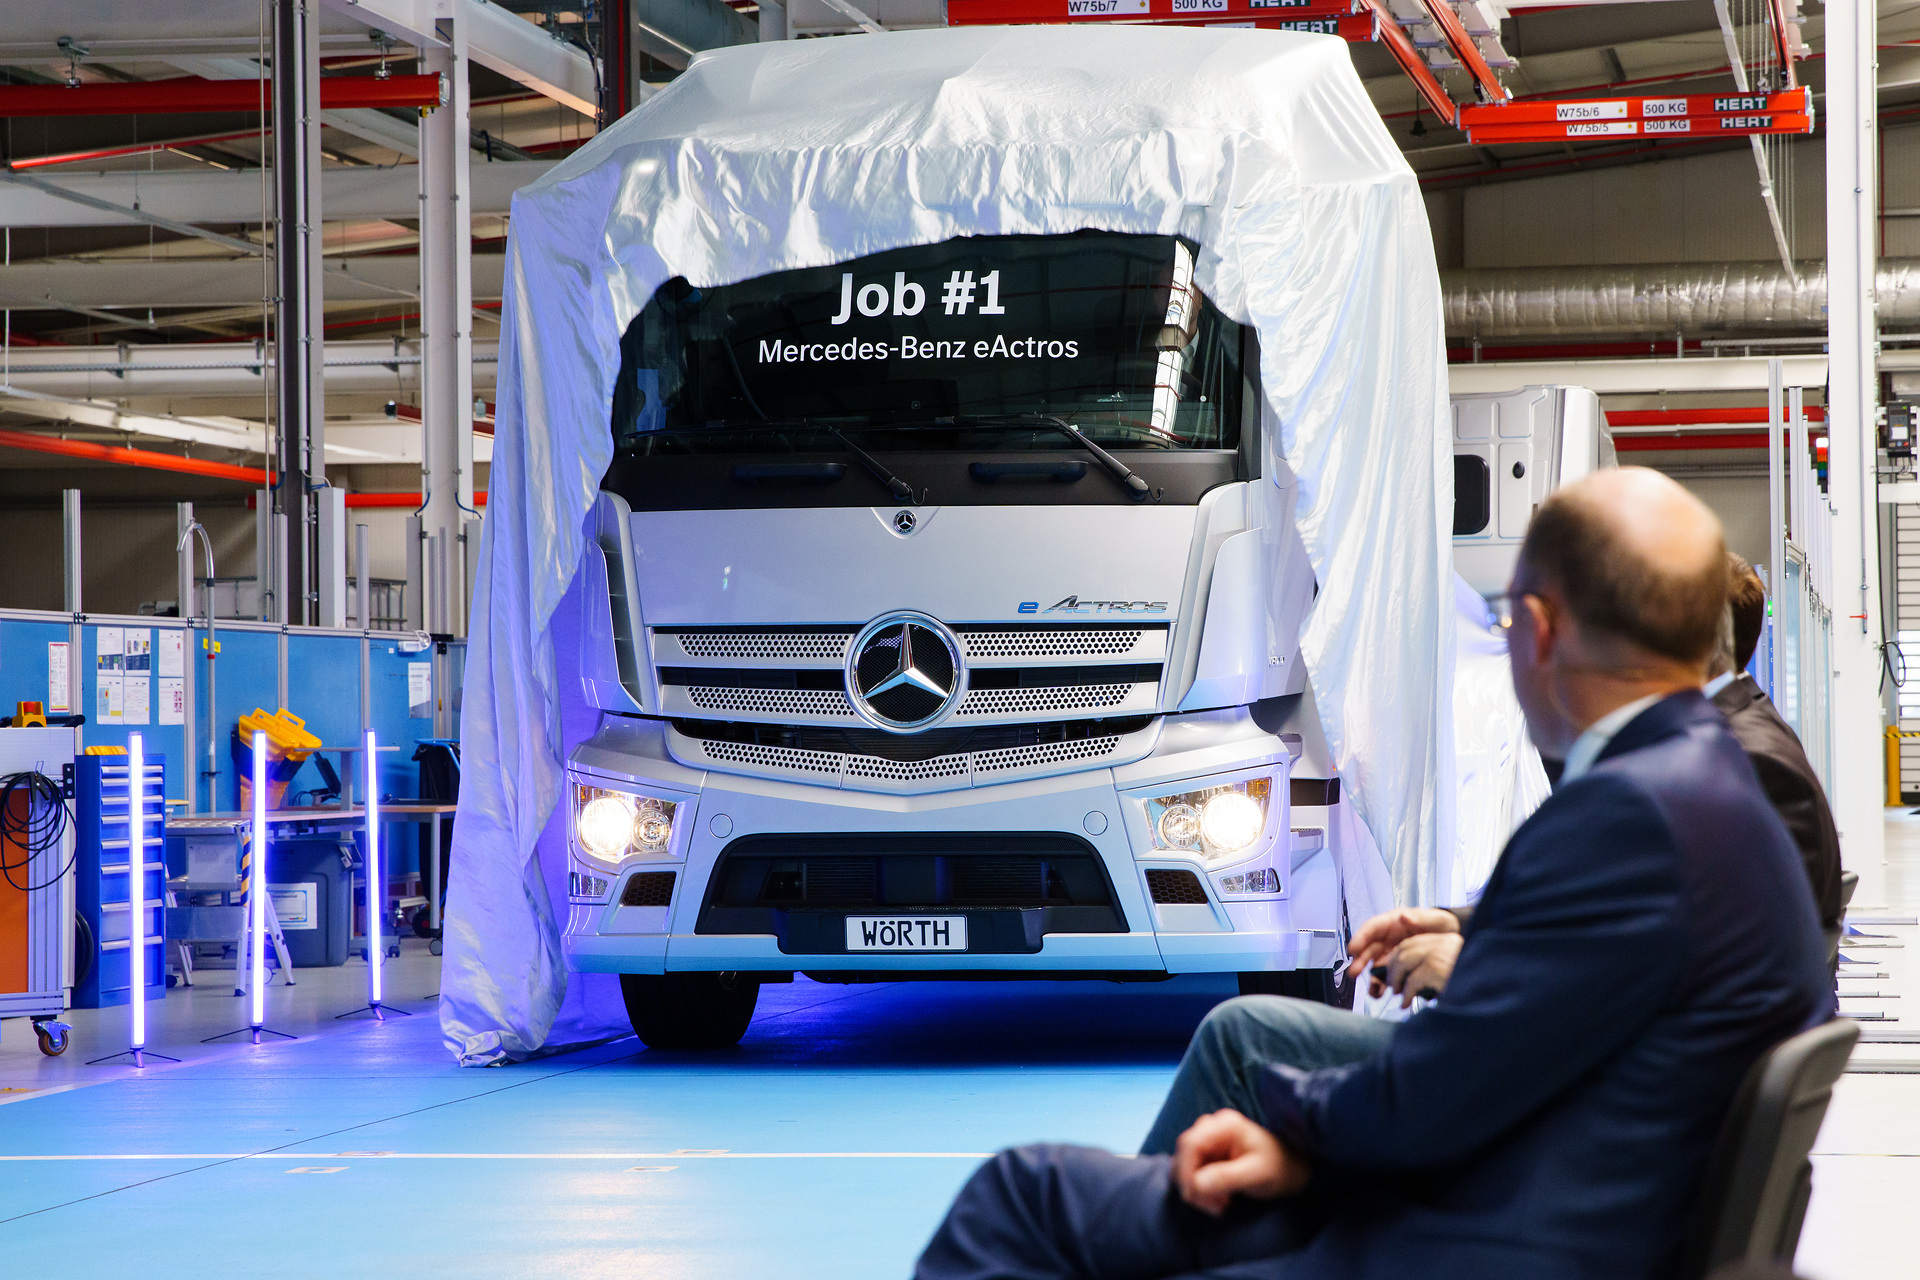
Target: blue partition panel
(99, 731)
(323, 689)
(247, 678)
(393, 721)
(23, 660)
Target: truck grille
(1015, 674)
(956, 757)
(770, 702)
(1000, 702)
(830, 645)
(1050, 642)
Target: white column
(265, 556)
(330, 558)
(446, 291)
(1859, 772)
(189, 597)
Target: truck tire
(1322, 986)
(690, 1010)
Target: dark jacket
(1646, 935)
(1790, 783)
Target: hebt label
(1590, 111)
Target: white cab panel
(960, 564)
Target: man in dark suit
(1645, 937)
(1770, 743)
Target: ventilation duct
(1662, 298)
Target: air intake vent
(648, 889)
(765, 644)
(1172, 887)
(1000, 702)
(1052, 642)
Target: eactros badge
(904, 672)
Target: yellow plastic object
(287, 735)
(104, 751)
(29, 713)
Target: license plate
(906, 933)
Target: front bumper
(1098, 809)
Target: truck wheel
(690, 1010)
(1323, 986)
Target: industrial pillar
(267, 562)
(76, 634)
(1852, 393)
(330, 556)
(446, 300)
(190, 762)
(299, 353)
(363, 591)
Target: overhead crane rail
(185, 94)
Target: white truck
(948, 629)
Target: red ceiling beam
(1674, 444)
(1782, 43)
(186, 94)
(1697, 115)
(129, 457)
(1401, 46)
(1464, 50)
(1699, 417)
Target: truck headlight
(611, 825)
(1217, 822)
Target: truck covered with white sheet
(1004, 482)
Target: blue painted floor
(828, 1145)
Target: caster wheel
(54, 1037)
(433, 948)
(423, 924)
(393, 953)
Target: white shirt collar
(1719, 682)
(1588, 746)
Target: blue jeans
(1223, 1064)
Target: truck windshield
(943, 348)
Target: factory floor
(826, 1146)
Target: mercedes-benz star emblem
(903, 521)
(904, 672)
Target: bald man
(1647, 934)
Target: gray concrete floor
(1867, 1162)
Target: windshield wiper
(900, 489)
(1139, 490)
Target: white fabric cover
(1501, 779)
(1261, 146)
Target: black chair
(1759, 1179)
(329, 789)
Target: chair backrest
(1754, 1196)
(330, 778)
(1849, 881)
